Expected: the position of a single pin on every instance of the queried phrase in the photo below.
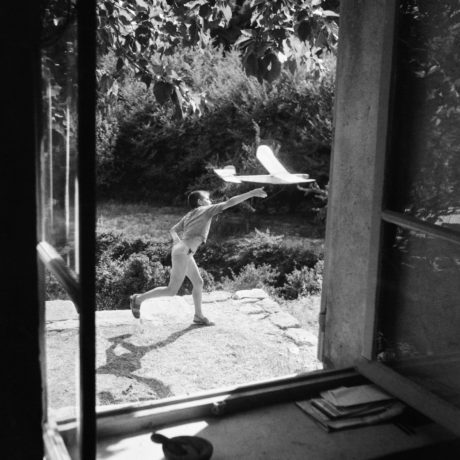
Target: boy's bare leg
(178, 271)
(193, 274)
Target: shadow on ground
(127, 364)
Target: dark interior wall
(20, 395)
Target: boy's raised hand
(259, 192)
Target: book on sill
(346, 407)
(335, 412)
(389, 411)
(355, 395)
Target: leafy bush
(303, 281)
(118, 247)
(258, 248)
(125, 266)
(251, 277)
(54, 289)
(209, 283)
(109, 274)
(116, 280)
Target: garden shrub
(119, 247)
(209, 284)
(125, 266)
(303, 281)
(117, 279)
(251, 277)
(54, 289)
(226, 260)
(109, 273)
(265, 248)
(129, 265)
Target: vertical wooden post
(86, 17)
(357, 170)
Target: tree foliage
(427, 153)
(143, 32)
(151, 149)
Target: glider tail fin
(228, 174)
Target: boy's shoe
(135, 309)
(202, 321)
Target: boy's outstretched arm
(234, 200)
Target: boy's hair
(195, 196)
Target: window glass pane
(420, 309)
(59, 198)
(59, 182)
(425, 157)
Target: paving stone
(60, 310)
(250, 293)
(246, 300)
(114, 317)
(216, 296)
(284, 320)
(301, 337)
(62, 325)
(175, 307)
(251, 309)
(208, 297)
(259, 316)
(269, 305)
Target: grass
(138, 220)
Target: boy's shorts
(181, 248)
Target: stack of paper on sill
(347, 407)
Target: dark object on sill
(184, 447)
(172, 445)
(410, 420)
(405, 428)
(219, 408)
(449, 450)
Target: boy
(194, 227)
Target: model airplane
(278, 173)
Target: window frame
(81, 289)
(395, 383)
(83, 431)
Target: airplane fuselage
(276, 179)
(278, 173)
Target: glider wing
(228, 174)
(266, 156)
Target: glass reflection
(420, 309)
(420, 294)
(425, 160)
(59, 199)
(59, 184)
